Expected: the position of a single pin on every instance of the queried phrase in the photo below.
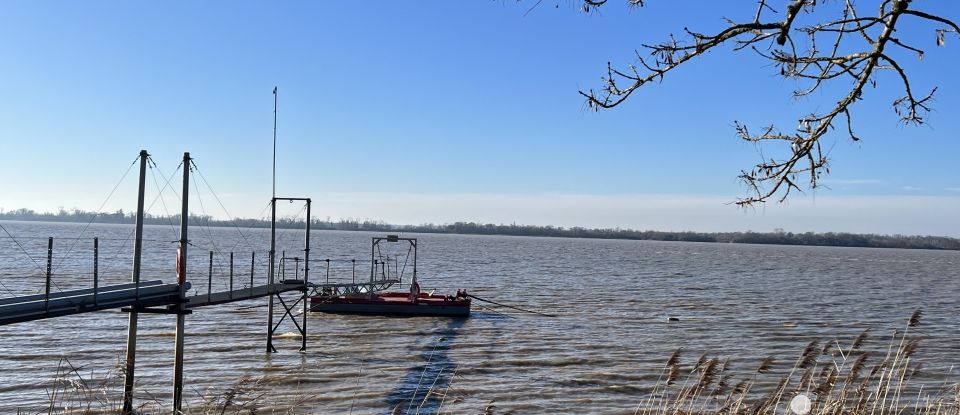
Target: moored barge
(372, 299)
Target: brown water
(612, 334)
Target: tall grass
(71, 393)
(838, 379)
(835, 379)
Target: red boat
(369, 298)
(395, 304)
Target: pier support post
(181, 280)
(273, 249)
(306, 273)
(288, 310)
(129, 371)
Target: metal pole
(210, 277)
(273, 227)
(231, 275)
(273, 248)
(181, 310)
(129, 373)
(253, 258)
(354, 262)
(306, 272)
(138, 238)
(96, 268)
(274, 195)
(46, 300)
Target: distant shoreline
(471, 228)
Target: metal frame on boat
(370, 297)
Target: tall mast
(274, 194)
(273, 229)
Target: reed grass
(833, 378)
(71, 393)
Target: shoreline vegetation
(856, 377)
(778, 237)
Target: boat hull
(393, 304)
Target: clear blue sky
(441, 111)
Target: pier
(155, 296)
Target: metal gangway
(41, 306)
(142, 295)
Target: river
(621, 308)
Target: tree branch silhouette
(856, 48)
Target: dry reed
(831, 377)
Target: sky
(441, 111)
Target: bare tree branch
(857, 51)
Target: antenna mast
(274, 142)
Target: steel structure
(156, 297)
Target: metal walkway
(42, 306)
(155, 296)
(242, 294)
(126, 296)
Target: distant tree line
(778, 237)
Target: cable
(405, 259)
(495, 311)
(152, 203)
(166, 212)
(510, 306)
(97, 213)
(22, 248)
(8, 290)
(42, 270)
(217, 198)
(286, 232)
(206, 227)
(260, 260)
